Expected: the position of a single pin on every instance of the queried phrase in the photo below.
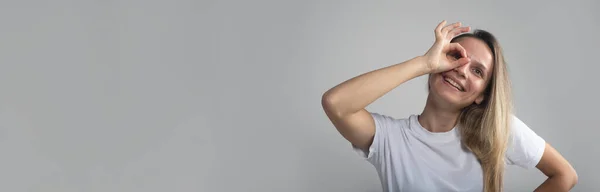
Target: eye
(478, 71)
(457, 56)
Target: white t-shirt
(408, 157)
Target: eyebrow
(476, 61)
(480, 65)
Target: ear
(479, 99)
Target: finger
(450, 27)
(455, 47)
(439, 27)
(457, 31)
(461, 61)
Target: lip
(451, 86)
(453, 79)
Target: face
(465, 85)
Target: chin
(449, 98)
(445, 93)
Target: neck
(436, 118)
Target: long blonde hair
(485, 126)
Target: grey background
(225, 95)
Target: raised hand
(443, 55)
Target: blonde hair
(485, 127)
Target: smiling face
(464, 85)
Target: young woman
(466, 132)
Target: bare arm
(345, 103)
(561, 175)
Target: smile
(453, 84)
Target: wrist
(421, 65)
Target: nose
(462, 70)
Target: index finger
(439, 27)
(456, 47)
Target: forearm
(356, 93)
(557, 183)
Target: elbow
(571, 177)
(574, 179)
(328, 102)
(568, 179)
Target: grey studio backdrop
(152, 96)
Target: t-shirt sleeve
(380, 140)
(525, 147)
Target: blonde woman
(466, 132)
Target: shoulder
(520, 130)
(387, 121)
(525, 147)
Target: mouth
(453, 83)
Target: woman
(466, 132)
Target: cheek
(433, 80)
(478, 87)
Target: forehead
(477, 50)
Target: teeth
(453, 83)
